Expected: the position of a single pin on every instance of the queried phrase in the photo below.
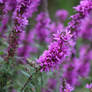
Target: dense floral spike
(23, 11)
(42, 27)
(83, 9)
(57, 51)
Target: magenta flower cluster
(57, 51)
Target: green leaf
(1, 53)
(25, 73)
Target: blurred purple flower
(89, 86)
(27, 44)
(61, 15)
(42, 27)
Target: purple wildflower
(83, 9)
(24, 10)
(57, 51)
(21, 14)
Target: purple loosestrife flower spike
(23, 11)
(82, 10)
(57, 51)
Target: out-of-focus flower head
(61, 15)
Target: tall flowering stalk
(82, 10)
(21, 15)
(57, 51)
